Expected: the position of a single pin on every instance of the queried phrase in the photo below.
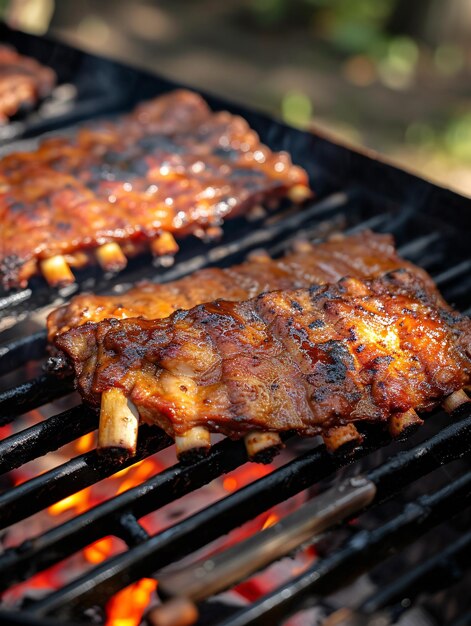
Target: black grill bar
(454, 272)
(359, 554)
(205, 526)
(15, 618)
(31, 395)
(130, 531)
(108, 517)
(197, 530)
(72, 476)
(433, 575)
(223, 570)
(14, 354)
(416, 248)
(48, 435)
(463, 620)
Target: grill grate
(359, 553)
(354, 193)
(119, 516)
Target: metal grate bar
(17, 352)
(223, 570)
(48, 435)
(199, 529)
(218, 572)
(108, 517)
(442, 569)
(205, 526)
(359, 554)
(15, 618)
(68, 478)
(452, 273)
(32, 394)
(463, 620)
(14, 298)
(130, 531)
(416, 248)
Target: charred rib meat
(23, 81)
(314, 360)
(363, 255)
(171, 166)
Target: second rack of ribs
(306, 360)
(171, 166)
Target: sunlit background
(392, 75)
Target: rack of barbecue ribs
(314, 360)
(171, 168)
(363, 254)
(23, 81)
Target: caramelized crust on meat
(171, 166)
(23, 81)
(363, 255)
(307, 360)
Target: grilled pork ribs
(114, 189)
(315, 360)
(362, 255)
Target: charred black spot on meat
(352, 335)
(317, 324)
(295, 305)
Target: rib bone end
(342, 438)
(56, 271)
(302, 246)
(403, 424)
(164, 245)
(193, 444)
(257, 212)
(299, 193)
(262, 446)
(456, 400)
(259, 256)
(119, 421)
(111, 257)
(175, 612)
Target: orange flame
(85, 443)
(127, 607)
(79, 501)
(99, 550)
(270, 521)
(230, 484)
(142, 471)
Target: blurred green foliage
(385, 41)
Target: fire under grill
(403, 489)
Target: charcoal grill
(354, 191)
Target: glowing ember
(270, 521)
(79, 501)
(229, 484)
(85, 443)
(99, 551)
(127, 607)
(141, 472)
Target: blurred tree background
(392, 75)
